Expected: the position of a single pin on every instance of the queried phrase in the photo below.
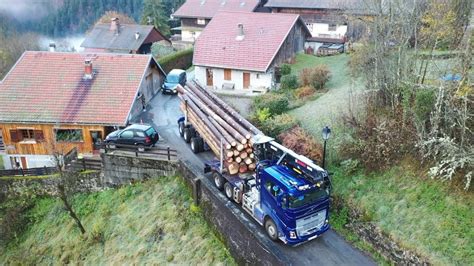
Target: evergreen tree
(155, 11)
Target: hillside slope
(154, 222)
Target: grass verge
(150, 223)
(421, 215)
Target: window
(68, 135)
(26, 134)
(127, 134)
(140, 134)
(332, 27)
(201, 21)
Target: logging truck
(286, 193)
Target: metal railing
(157, 152)
(29, 171)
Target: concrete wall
(258, 80)
(322, 30)
(190, 35)
(32, 161)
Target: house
(51, 101)
(196, 14)
(122, 38)
(327, 20)
(241, 51)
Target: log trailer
(286, 193)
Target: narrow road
(329, 249)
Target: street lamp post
(326, 134)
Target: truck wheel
(228, 190)
(187, 134)
(195, 145)
(271, 229)
(201, 144)
(181, 128)
(219, 181)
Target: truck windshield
(296, 202)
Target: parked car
(139, 135)
(174, 78)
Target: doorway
(209, 77)
(246, 80)
(96, 138)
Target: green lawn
(150, 223)
(337, 65)
(422, 215)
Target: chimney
(52, 47)
(88, 73)
(115, 25)
(241, 35)
(137, 35)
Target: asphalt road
(329, 249)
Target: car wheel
(141, 147)
(228, 190)
(111, 145)
(271, 229)
(218, 181)
(181, 128)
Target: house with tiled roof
(122, 38)
(327, 20)
(70, 100)
(196, 14)
(242, 51)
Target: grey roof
(101, 37)
(316, 4)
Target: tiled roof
(319, 4)
(208, 8)
(45, 87)
(264, 33)
(103, 38)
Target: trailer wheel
(181, 128)
(218, 181)
(195, 145)
(187, 134)
(228, 190)
(271, 229)
(201, 144)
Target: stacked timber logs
(224, 130)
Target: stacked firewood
(221, 127)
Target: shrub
(263, 115)
(424, 102)
(302, 143)
(316, 77)
(278, 124)
(160, 50)
(304, 92)
(285, 69)
(276, 103)
(182, 60)
(289, 82)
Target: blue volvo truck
(288, 194)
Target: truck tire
(229, 192)
(201, 144)
(271, 229)
(218, 181)
(181, 128)
(195, 145)
(187, 134)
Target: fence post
(84, 164)
(22, 172)
(45, 170)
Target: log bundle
(221, 127)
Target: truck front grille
(308, 225)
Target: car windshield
(311, 196)
(150, 131)
(172, 78)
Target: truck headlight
(292, 234)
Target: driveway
(329, 249)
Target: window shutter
(15, 135)
(39, 136)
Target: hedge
(181, 60)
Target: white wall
(263, 81)
(188, 36)
(32, 161)
(322, 30)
